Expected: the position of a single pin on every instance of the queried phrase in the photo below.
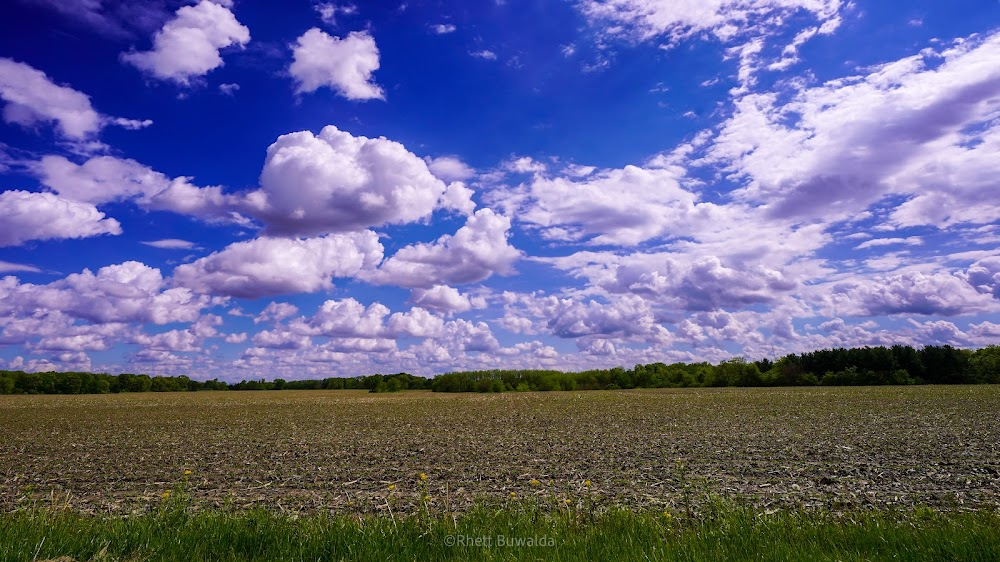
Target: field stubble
(348, 451)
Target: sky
(234, 190)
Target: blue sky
(235, 189)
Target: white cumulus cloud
(442, 297)
(450, 168)
(104, 179)
(922, 128)
(126, 292)
(475, 252)
(31, 97)
(44, 216)
(345, 65)
(274, 266)
(335, 181)
(188, 46)
(938, 293)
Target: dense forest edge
(865, 366)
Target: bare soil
(307, 451)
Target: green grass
(728, 532)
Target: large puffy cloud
(335, 181)
(274, 266)
(348, 318)
(363, 338)
(126, 292)
(984, 275)
(104, 179)
(626, 316)
(719, 326)
(417, 323)
(173, 340)
(58, 335)
(310, 184)
(838, 333)
(923, 128)
(88, 342)
(44, 216)
(469, 336)
(622, 206)
(634, 205)
(644, 19)
(335, 349)
(281, 340)
(703, 284)
(345, 318)
(475, 252)
(908, 293)
(357, 336)
(189, 340)
(442, 297)
(31, 98)
(54, 330)
(344, 65)
(188, 45)
(19, 328)
(898, 130)
(727, 264)
(276, 312)
(457, 197)
(163, 361)
(101, 179)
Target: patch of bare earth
(341, 450)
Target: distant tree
(764, 365)
(787, 371)
(985, 364)
(27, 383)
(7, 381)
(736, 372)
(908, 359)
(128, 382)
(945, 365)
(69, 383)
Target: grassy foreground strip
(513, 532)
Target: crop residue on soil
(342, 450)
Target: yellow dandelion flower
(165, 495)
(187, 473)
(534, 482)
(513, 494)
(568, 501)
(667, 515)
(350, 504)
(586, 483)
(392, 487)
(423, 476)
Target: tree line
(51, 382)
(899, 364)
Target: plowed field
(343, 450)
